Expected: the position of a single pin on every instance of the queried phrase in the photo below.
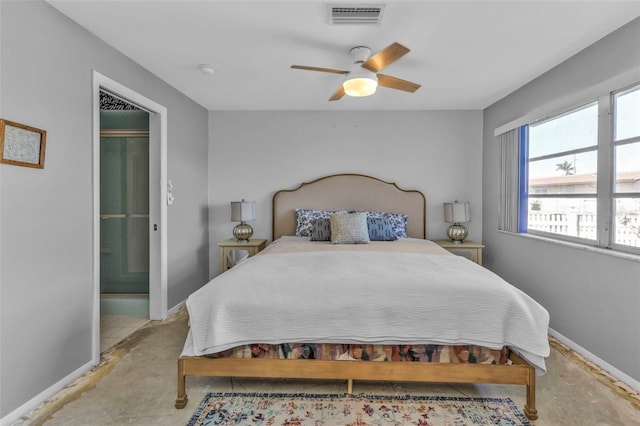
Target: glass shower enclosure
(124, 212)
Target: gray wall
(253, 154)
(593, 298)
(46, 215)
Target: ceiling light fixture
(206, 69)
(363, 79)
(360, 81)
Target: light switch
(170, 193)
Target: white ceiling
(466, 54)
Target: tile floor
(135, 384)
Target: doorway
(124, 219)
(124, 198)
(130, 254)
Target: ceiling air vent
(360, 14)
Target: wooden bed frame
(356, 192)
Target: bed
(413, 301)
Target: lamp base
(457, 233)
(242, 232)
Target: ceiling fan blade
(385, 57)
(397, 83)
(331, 70)
(337, 94)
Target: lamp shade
(457, 212)
(242, 211)
(360, 83)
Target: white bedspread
(382, 297)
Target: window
(581, 177)
(563, 167)
(626, 182)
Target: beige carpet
(136, 384)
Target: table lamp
(455, 213)
(243, 211)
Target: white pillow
(349, 228)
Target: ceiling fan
(364, 77)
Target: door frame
(157, 193)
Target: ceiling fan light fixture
(363, 78)
(206, 69)
(360, 84)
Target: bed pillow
(321, 229)
(349, 228)
(398, 222)
(304, 218)
(380, 229)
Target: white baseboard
(176, 308)
(626, 379)
(25, 408)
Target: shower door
(124, 212)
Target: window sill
(606, 252)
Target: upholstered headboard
(349, 192)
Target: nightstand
(227, 247)
(469, 249)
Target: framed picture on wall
(21, 145)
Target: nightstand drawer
(471, 254)
(469, 249)
(228, 248)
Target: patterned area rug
(355, 410)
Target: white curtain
(509, 175)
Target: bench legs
(527, 378)
(182, 399)
(530, 406)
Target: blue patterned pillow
(380, 229)
(321, 229)
(398, 222)
(304, 218)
